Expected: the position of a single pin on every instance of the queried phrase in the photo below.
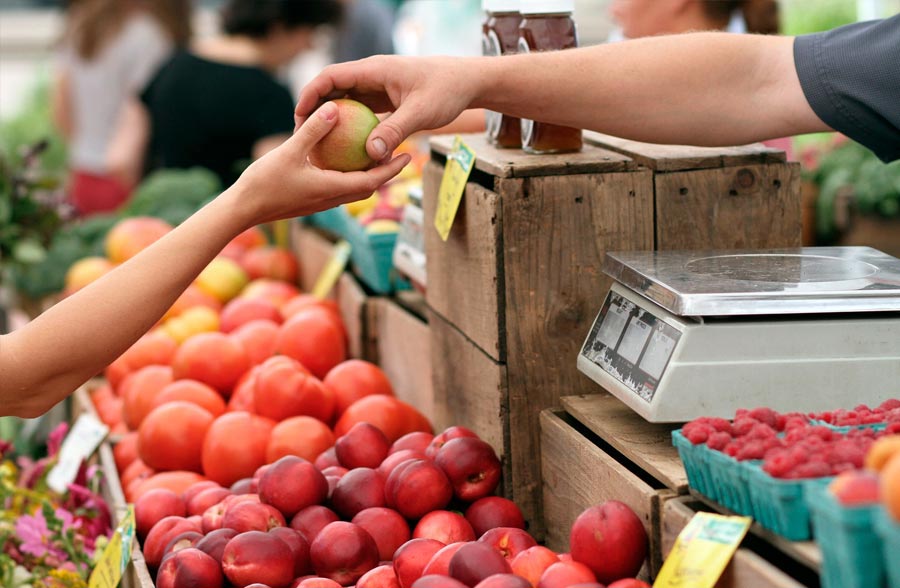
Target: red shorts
(91, 194)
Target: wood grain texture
(403, 343)
(739, 207)
(668, 158)
(313, 250)
(469, 387)
(352, 300)
(577, 474)
(556, 230)
(465, 273)
(515, 163)
(746, 570)
(649, 445)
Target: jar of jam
(547, 25)
(500, 36)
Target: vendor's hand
(420, 93)
(283, 183)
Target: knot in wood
(746, 178)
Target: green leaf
(29, 251)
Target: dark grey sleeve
(851, 78)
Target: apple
(610, 539)
(566, 573)
(255, 556)
(363, 446)
(494, 511)
(189, 568)
(357, 490)
(532, 562)
(343, 552)
(471, 465)
(344, 147)
(416, 488)
(292, 484)
(440, 561)
(412, 557)
(444, 526)
(213, 543)
(382, 576)
(509, 541)
(473, 562)
(313, 519)
(386, 526)
(446, 435)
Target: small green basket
(780, 505)
(696, 464)
(888, 531)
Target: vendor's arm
(44, 361)
(702, 88)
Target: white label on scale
(613, 325)
(657, 355)
(633, 342)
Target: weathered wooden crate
(756, 563)
(597, 449)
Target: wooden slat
(515, 163)
(746, 570)
(465, 272)
(403, 343)
(556, 230)
(577, 474)
(668, 158)
(351, 301)
(469, 386)
(743, 207)
(649, 445)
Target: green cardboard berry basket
(780, 505)
(888, 531)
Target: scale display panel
(631, 344)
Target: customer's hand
(419, 93)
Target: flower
(33, 534)
(56, 437)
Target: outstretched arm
(698, 88)
(44, 361)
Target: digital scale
(688, 334)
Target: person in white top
(109, 50)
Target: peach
(84, 271)
(270, 262)
(241, 311)
(504, 581)
(299, 548)
(363, 446)
(412, 557)
(337, 471)
(154, 506)
(395, 459)
(213, 517)
(343, 552)
(258, 557)
(257, 337)
(610, 539)
(131, 235)
(244, 486)
(386, 526)
(222, 279)
(472, 467)
(189, 568)
(565, 573)
(160, 535)
(313, 519)
(291, 484)
(357, 490)
(380, 577)
(316, 582)
(181, 541)
(446, 435)
(201, 502)
(250, 516)
(415, 441)
(509, 541)
(440, 561)
(444, 526)
(213, 543)
(418, 488)
(275, 291)
(531, 563)
(855, 487)
(473, 562)
(197, 488)
(628, 583)
(344, 147)
(436, 581)
(326, 459)
(494, 511)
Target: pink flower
(56, 438)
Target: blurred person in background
(109, 50)
(219, 103)
(366, 30)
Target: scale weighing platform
(688, 334)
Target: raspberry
(732, 449)
(889, 404)
(742, 426)
(824, 433)
(845, 451)
(755, 449)
(826, 416)
(780, 422)
(795, 422)
(765, 415)
(721, 425)
(842, 467)
(696, 432)
(893, 428)
(741, 413)
(810, 469)
(778, 464)
(796, 435)
(761, 431)
(718, 440)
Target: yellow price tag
(115, 557)
(460, 162)
(332, 270)
(702, 551)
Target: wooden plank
(403, 343)
(515, 163)
(469, 387)
(465, 272)
(649, 445)
(556, 230)
(351, 300)
(746, 570)
(668, 158)
(578, 474)
(744, 207)
(313, 250)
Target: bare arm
(61, 103)
(128, 145)
(44, 361)
(699, 88)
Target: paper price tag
(80, 443)
(332, 270)
(460, 162)
(115, 557)
(702, 551)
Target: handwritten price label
(460, 162)
(332, 270)
(115, 557)
(702, 551)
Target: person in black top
(218, 105)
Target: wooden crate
(745, 197)
(597, 449)
(748, 569)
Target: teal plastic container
(843, 430)
(696, 464)
(780, 505)
(888, 531)
(851, 553)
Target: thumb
(390, 132)
(316, 126)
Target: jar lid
(547, 6)
(500, 5)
